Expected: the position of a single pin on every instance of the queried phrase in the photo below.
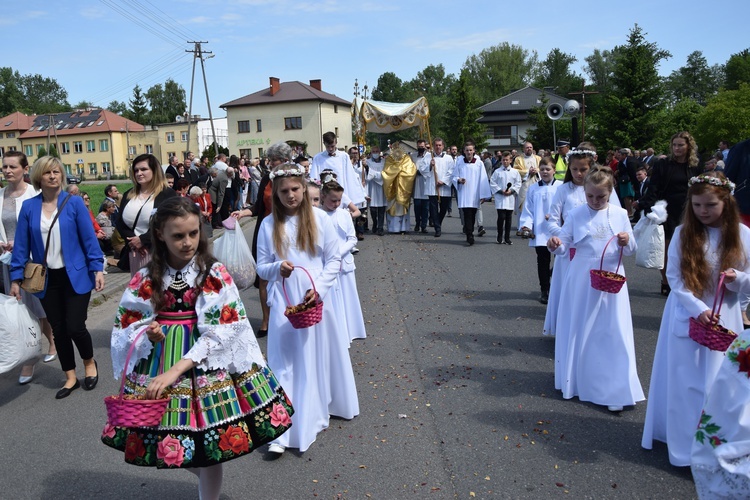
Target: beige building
(292, 112)
(90, 142)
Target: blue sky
(98, 54)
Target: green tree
(738, 69)
(11, 97)
(498, 70)
(41, 152)
(556, 72)
(119, 108)
(210, 151)
(43, 95)
(84, 104)
(165, 102)
(436, 86)
(138, 106)
(695, 80)
(463, 113)
(725, 117)
(53, 151)
(682, 115)
(629, 116)
(600, 67)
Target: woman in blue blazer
(74, 266)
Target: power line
(193, 34)
(168, 72)
(128, 15)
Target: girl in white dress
(711, 239)
(597, 360)
(331, 194)
(298, 235)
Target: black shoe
(508, 242)
(262, 333)
(470, 239)
(438, 234)
(65, 391)
(481, 231)
(381, 233)
(544, 298)
(90, 382)
(416, 229)
(424, 230)
(665, 289)
(499, 241)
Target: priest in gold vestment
(398, 174)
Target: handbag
(34, 274)
(20, 334)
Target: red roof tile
(80, 122)
(288, 92)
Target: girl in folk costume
(536, 213)
(331, 193)
(505, 183)
(710, 240)
(568, 196)
(199, 351)
(594, 348)
(298, 235)
(375, 193)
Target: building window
(92, 168)
(66, 166)
(170, 137)
(65, 148)
(90, 146)
(29, 150)
(11, 148)
(335, 108)
(504, 131)
(243, 126)
(258, 125)
(132, 151)
(247, 153)
(171, 154)
(10, 135)
(78, 147)
(183, 136)
(105, 166)
(2, 152)
(260, 152)
(149, 149)
(336, 131)
(294, 123)
(104, 145)
(39, 148)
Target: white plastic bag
(649, 237)
(232, 250)
(20, 334)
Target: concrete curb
(116, 280)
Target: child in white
(710, 240)
(597, 360)
(505, 183)
(331, 194)
(536, 213)
(375, 193)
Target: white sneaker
(614, 408)
(276, 448)
(355, 251)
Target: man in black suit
(650, 157)
(641, 189)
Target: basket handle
(601, 262)
(719, 287)
(283, 285)
(127, 360)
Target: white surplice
(477, 185)
(499, 181)
(536, 211)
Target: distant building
(91, 142)
(507, 118)
(293, 112)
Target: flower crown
(314, 182)
(290, 172)
(580, 152)
(714, 181)
(327, 176)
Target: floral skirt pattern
(212, 416)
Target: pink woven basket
(134, 412)
(715, 337)
(308, 317)
(606, 281)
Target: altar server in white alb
(505, 183)
(534, 218)
(472, 186)
(594, 348)
(440, 203)
(711, 240)
(346, 285)
(339, 163)
(375, 193)
(424, 186)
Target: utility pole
(198, 54)
(583, 93)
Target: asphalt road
(456, 391)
